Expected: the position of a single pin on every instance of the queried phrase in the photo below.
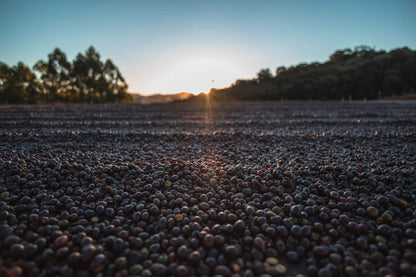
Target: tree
(117, 86)
(97, 81)
(341, 55)
(86, 75)
(264, 75)
(55, 76)
(28, 82)
(280, 70)
(5, 83)
(18, 84)
(87, 79)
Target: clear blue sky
(172, 46)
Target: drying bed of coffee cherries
(208, 189)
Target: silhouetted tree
(6, 83)
(116, 86)
(86, 72)
(18, 84)
(87, 79)
(97, 81)
(264, 75)
(280, 70)
(341, 55)
(55, 76)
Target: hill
(362, 73)
(160, 98)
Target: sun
(197, 75)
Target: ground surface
(312, 188)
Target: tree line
(86, 80)
(362, 73)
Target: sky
(175, 46)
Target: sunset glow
(197, 75)
(175, 46)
